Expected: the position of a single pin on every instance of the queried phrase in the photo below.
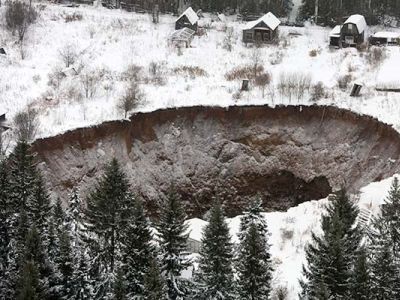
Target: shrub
(157, 73)
(132, 98)
(26, 124)
(133, 73)
(89, 81)
(228, 39)
(19, 16)
(313, 53)
(276, 57)
(375, 56)
(55, 77)
(75, 16)
(281, 293)
(244, 72)
(286, 234)
(262, 81)
(318, 91)
(68, 54)
(343, 81)
(192, 71)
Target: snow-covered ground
(108, 41)
(291, 231)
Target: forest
(105, 247)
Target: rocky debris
(287, 155)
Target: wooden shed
(385, 38)
(353, 31)
(262, 30)
(189, 19)
(334, 36)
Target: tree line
(109, 248)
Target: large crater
(287, 155)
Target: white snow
(387, 35)
(359, 21)
(191, 15)
(335, 31)
(269, 19)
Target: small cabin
(195, 233)
(385, 38)
(189, 19)
(334, 36)
(262, 30)
(353, 31)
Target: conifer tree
(154, 285)
(120, 288)
(254, 264)
(216, 258)
(137, 250)
(361, 279)
(74, 219)
(64, 264)
(173, 244)
(82, 285)
(390, 215)
(107, 214)
(331, 257)
(29, 288)
(385, 268)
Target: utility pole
(316, 11)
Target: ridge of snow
(269, 19)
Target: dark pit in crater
(287, 155)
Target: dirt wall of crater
(288, 155)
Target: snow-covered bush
(375, 56)
(68, 54)
(262, 81)
(294, 84)
(19, 16)
(56, 76)
(229, 39)
(243, 72)
(133, 73)
(132, 98)
(192, 71)
(75, 16)
(343, 81)
(157, 72)
(318, 91)
(280, 293)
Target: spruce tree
(154, 285)
(29, 288)
(173, 244)
(385, 269)
(254, 266)
(107, 214)
(137, 250)
(361, 278)
(64, 264)
(216, 258)
(390, 215)
(331, 257)
(82, 284)
(120, 288)
(74, 219)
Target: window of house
(249, 36)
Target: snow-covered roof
(2, 112)
(184, 34)
(387, 35)
(269, 19)
(335, 31)
(359, 21)
(191, 15)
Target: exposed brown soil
(286, 154)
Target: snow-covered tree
(215, 275)
(331, 256)
(361, 278)
(254, 266)
(82, 284)
(137, 250)
(173, 244)
(154, 284)
(107, 214)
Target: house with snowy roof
(3, 125)
(262, 30)
(385, 38)
(353, 31)
(188, 19)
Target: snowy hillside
(108, 41)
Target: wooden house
(262, 30)
(188, 19)
(353, 31)
(385, 38)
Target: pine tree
(65, 266)
(137, 250)
(173, 244)
(154, 285)
(74, 219)
(82, 285)
(29, 288)
(361, 278)
(216, 258)
(385, 269)
(390, 215)
(254, 265)
(107, 214)
(331, 256)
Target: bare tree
(89, 82)
(68, 54)
(262, 81)
(229, 39)
(256, 60)
(26, 124)
(132, 98)
(19, 16)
